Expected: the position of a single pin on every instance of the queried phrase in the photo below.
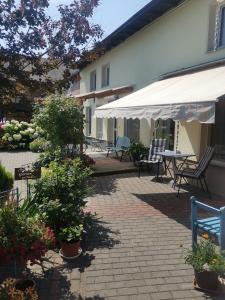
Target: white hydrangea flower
(17, 137)
(10, 139)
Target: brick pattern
(136, 251)
(151, 229)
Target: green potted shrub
(137, 150)
(70, 238)
(207, 263)
(6, 179)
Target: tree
(32, 44)
(62, 120)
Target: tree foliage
(32, 44)
(61, 119)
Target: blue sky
(110, 14)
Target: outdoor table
(170, 155)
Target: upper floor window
(93, 79)
(222, 28)
(105, 75)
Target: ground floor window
(132, 129)
(165, 129)
(99, 128)
(88, 120)
(218, 131)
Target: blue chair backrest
(157, 145)
(122, 142)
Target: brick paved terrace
(135, 250)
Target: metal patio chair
(214, 226)
(198, 173)
(122, 145)
(157, 145)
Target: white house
(164, 39)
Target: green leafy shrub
(62, 120)
(205, 257)
(137, 150)
(60, 194)
(38, 145)
(49, 156)
(6, 179)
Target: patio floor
(136, 249)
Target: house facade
(166, 36)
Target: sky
(110, 14)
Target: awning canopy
(189, 97)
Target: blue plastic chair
(122, 145)
(214, 226)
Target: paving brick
(138, 254)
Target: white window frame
(93, 80)
(106, 75)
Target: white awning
(189, 97)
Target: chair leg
(179, 184)
(122, 154)
(158, 170)
(207, 189)
(174, 182)
(194, 237)
(107, 154)
(201, 184)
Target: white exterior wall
(177, 40)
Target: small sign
(23, 173)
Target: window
(222, 28)
(105, 75)
(99, 128)
(93, 79)
(88, 120)
(218, 131)
(216, 33)
(165, 129)
(132, 129)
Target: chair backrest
(204, 161)
(157, 145)
(122, 142)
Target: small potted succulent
(70, 238)
(13, 289)
(208, 265)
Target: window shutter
(213, 27)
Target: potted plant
(70, 238)
(22, 239)
(137, 150)
(13, 289)
(208, 265)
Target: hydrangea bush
(18, 135)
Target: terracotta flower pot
(207, 280)
(70, 249)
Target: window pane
(165, 129)
(93, 81)
(222, 28)
(105, 75)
